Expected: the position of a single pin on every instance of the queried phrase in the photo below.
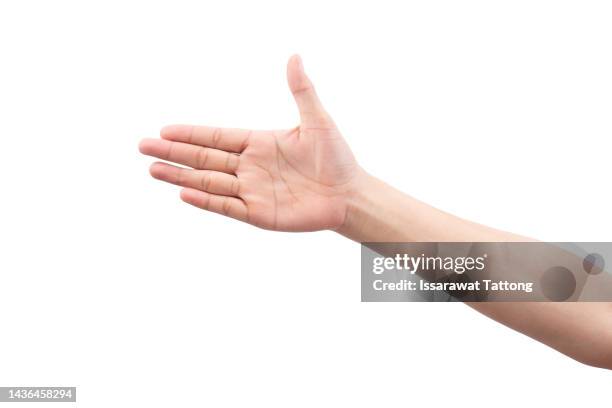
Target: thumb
(311, 110)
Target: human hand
(286, 180)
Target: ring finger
(213, 182)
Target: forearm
(377, 212)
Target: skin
(307, 179)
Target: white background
(496, 111)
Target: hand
(286, 180)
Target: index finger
(231, 140)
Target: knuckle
(190, 136)
(202, 158)
(245, 142)
(180, 177)
(226, 206)
(232, 162)
(235, 189)
(216, 137)
(206, 202)
(206, 180)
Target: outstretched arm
(306, 179)
(379, 213)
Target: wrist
(363, 202)
(377, 212)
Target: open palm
(288, 180)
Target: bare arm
(379, 213)
(306, 179)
